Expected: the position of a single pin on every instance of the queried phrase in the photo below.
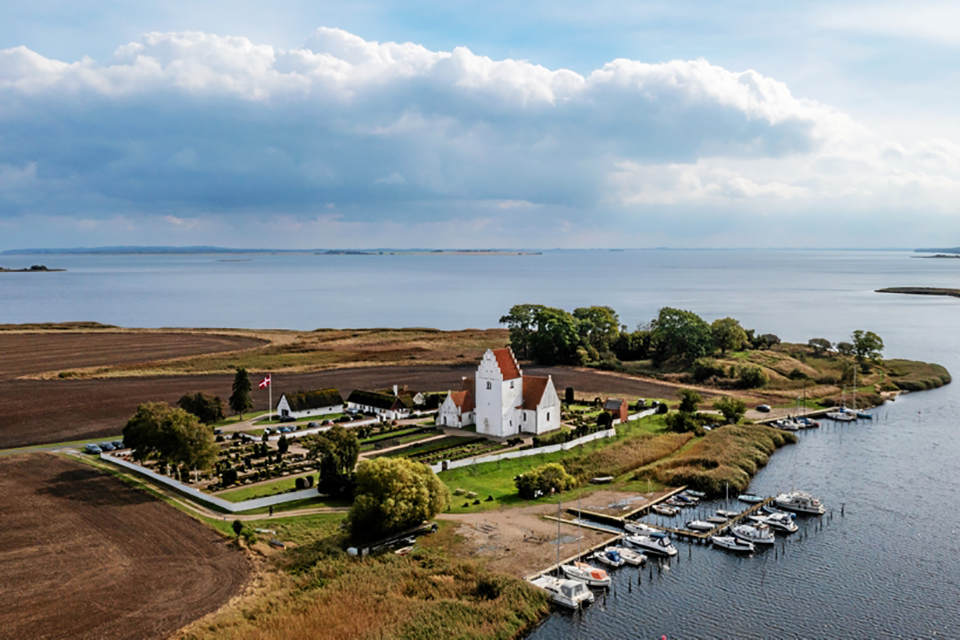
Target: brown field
(85, 556)
(47, 411)
(32, 353)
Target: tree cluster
(394, 494)
(171, 435)
(553, 336)
(206, 407)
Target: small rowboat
(749, 498)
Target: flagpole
(270, 408)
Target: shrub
(662, 408)
(681, 422)
(706, 368)
(731, 408)
(752, 377)
(689, 400)
(544, 480)
(237, 527)
(300, 483)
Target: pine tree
(241, 401)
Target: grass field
(260, 490)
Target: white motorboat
(755, 533)
(631, 556)
(733, 543)
(657, 544)
(700, 525)
(640, 528)
(610, 557)
(777, 521)
(695, 494)
(593, 576)
(749, 498)
(723, 513)
(665, 510)
(717, 519)
(787, 424)
(566, 593)
(800, 502)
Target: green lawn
(496, 478)
(305, 503)
(261, 490)
(410, 437)
(235, 419)
(433, 445)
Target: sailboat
(843, 414)
(583, 571)
(858, 414)
(566, 593)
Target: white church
(502, 401)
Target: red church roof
(533, 388)
(507, 363)
(464, 400)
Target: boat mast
(559, 572)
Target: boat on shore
(657, 544)
(631, 556)
(800, 502)
(733, 543)
(566, 593)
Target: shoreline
(922, 291)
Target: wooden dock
(703, 536)
(583, 552)
(620, 520)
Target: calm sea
(889, 567)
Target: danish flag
(265, 382)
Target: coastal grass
(910, 375)
(729, 455)
(317, 590)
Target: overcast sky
(379, 123)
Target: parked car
(106, 446)
(92, 449)
(764, 408)
(218, 432)
(313, 425)
(268, 430)
(118, 444)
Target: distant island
(163, 250)
(954, 250)
(941, 255)
(37, 268)
(922, 291)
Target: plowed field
(85, 556)
(31, 353)
(47, 411)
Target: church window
(548, 416)
(511, 384)
(489, 385)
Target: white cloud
(189, 126)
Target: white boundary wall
(456, 464)
(199, 496)
(609, 433)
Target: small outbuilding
(619, 409)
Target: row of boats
(640, 540)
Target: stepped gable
(533, 388)
(507, 363)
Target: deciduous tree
(680, 333)
(394, 494)
(689, 400)
(820, 345)
(337, 450)
(522, 323)
(727, 334)
(732, 409)
(598, 326)
(867, 346)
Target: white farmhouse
(506, 401)
(310, 403)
